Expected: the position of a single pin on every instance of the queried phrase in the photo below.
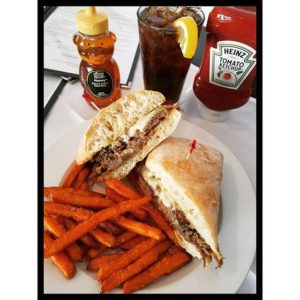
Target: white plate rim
(84, 124)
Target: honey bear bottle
(99, 72)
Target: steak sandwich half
(187, 191)
(123, 133)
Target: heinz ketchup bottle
(225, 78)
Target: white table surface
(238, 133)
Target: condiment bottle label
(100, 83)
(230, 64)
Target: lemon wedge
(187, 35)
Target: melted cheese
(141, 124)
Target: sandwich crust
(114, 120)
(194, 183)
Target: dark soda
(164, 66)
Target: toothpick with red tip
(192, 147)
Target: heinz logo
(236, 52)
(230, 63)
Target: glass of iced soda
(164, 66)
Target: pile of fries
(124, 238)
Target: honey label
(230, 64)
(100, 83)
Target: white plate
(237, 233)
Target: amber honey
(99, 72)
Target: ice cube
(186, 11)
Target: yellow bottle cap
(92, 22)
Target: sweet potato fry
(54, 226)
(133, 242)
(84, 186)
(49, 190)
(58, 209)
(103, 237)
(139, 213)
(139, 227)
(95, 263)
(136, 267)
(77, 197)
(86, 239)
(72, 174)
(110, 228)
(94, 252)
(127, 258)
(85, 226)
(164, 266)
(111, 194)
(82, 176)
(124, 237)
(84, 249)
(61, 260)
(134, 180)
(57, 229)
(122, 189)
(160, 220)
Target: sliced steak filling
(112, 157)
(180, 223)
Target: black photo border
(259, 147)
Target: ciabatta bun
(192, 186)
(114, 120)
